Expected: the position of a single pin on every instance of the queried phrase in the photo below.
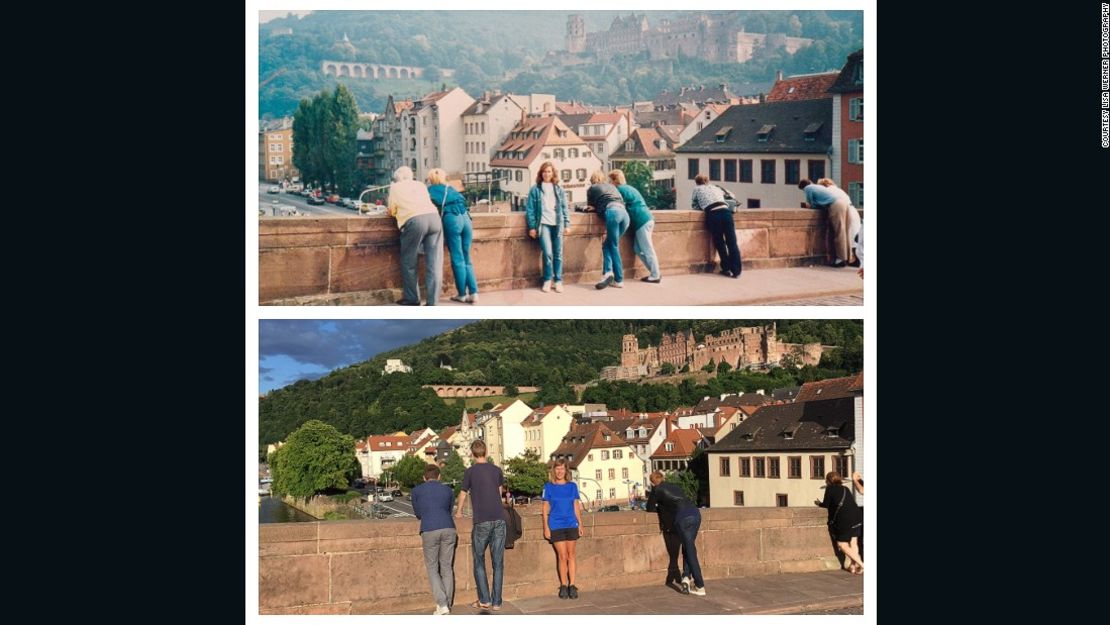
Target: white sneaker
(617, 285)
(694, 590)
(558, 287)
(440, 610)
(546, 286)
(472, 298)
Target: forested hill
(548, 353)
(506, 49)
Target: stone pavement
(821, 286)
(824, 592)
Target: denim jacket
(534, 207)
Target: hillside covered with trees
(551, 354)
(506, 50)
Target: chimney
(778, 75)
(762, 98)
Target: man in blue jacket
(431, 502)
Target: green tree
(526, 474)
(512, 391)
(487, 405)
(452, 471)
(666, 369)
(710, 366)
(409, 471)
(324, 147)
(315, 458)
(723, 368)
(638, 174)
(688, 481)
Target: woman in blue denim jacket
(458, 232)
(548, 220)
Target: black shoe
(854, 263)
(736, 275)
(725, 272)
(648, 279)
(572, 591)
(606, 281)
(838, 264)
(562, 592)
(405, 302)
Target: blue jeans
(490, 533)
(459, 232)
(551, 242)
(616, 222)
(644, 248)
(688, 532)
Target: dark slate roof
(785, 394)
(846, 83)
(789, 119)
(575, 120)
(829, 389)
(809, 422)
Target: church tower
(630, 349)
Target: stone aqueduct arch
(473, 390)
(370, 70)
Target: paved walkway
(825, 592)
(820, 286)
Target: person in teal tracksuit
(642, 225)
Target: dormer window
(764, 133)
(606, 437)
(832, 432)
(723, 133)
(811, 131)
(669, 446)
(789, 431)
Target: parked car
(610, 509)
(312, 199)
(385, 496)
(333, 198)
(521, 500)
(397, 493)
(274, 189)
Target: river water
(274, 510)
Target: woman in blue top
(562, 524)
(458, 232)
(548, 220)
(642, 224)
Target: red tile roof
(685, 441)
(571, 108)
(377, 443)
(811, 87)
(531, 136)
(834, 388)
(580, 440)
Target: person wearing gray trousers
(422, 231)
(439, 559)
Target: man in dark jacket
(670, 539)
(673, 503)
(431, 503)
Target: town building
(378, 454)
(648, 146)
(432, 133)
(395, 365)
(602, 463)
(502, 431)
(545, 428)
(275, 151)
(534, 140)
(386, 145)
(490, 118)
(847, 133)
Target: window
(855, 191)
(566, 175)
(838, 465)
(764, 133)
(572, 153)
(669, 446)
(617, 454)
(624, 473)
(559, 153)
(745, 467)
(793, 171)
(726, 470)
(767, 171)
(597, 474)
(817, 467)
(753, 203)
(760, 467)
(519, 176)
(612, 474)
(855, 109)
(730, 170)
(275, 147)
(773, 468)
(714, 169)
(598, 495)
(816, 169)
(781, 500)
(737, 497)
(745, 170)
(794, 464)
(692, 168)
(855, 151)
(612, 493)
(604, 455)
(580, 174)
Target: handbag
(843, 494)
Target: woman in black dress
(845, 519)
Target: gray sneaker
(605, 281)
(617, 285)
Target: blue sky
(307, 349)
